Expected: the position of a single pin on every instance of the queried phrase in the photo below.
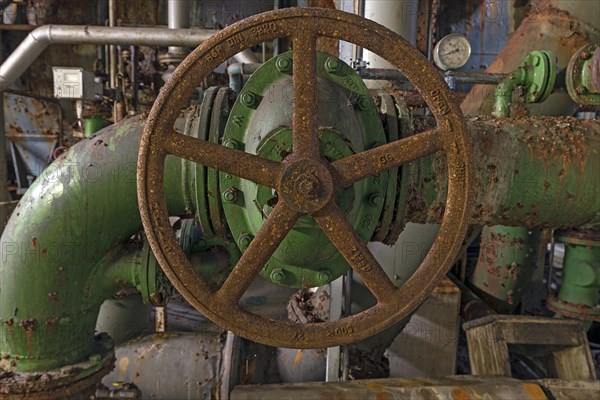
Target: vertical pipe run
(399, 16)
(581, 273)
(507, 262)
(112, 20)
(3, 166)
(179, 18)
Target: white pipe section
(179, 18)
(398, 15)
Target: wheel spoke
(371, 162)
(235, 162)
(305, 116)
(355, 251)
(271, 234)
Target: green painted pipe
(507, 262)
(581, 273)
(93, 124)
(60, 247)
(530, 172)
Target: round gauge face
(452, 52)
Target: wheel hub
(306, 186)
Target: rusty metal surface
(172, 366)
(46, 386)
(306, 183)
(533, 171)
(545, 28)
(453, 387)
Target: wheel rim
(304, 174)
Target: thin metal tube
(3, 165)
(112, 19)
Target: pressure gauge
(452, 52)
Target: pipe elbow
(42, 35)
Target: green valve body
(258, 121)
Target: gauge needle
(450, 52)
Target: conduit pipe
(41, 38)
(63, 250)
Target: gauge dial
(452, 52)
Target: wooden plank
(572, 363)
(488, 351)
(540, 332)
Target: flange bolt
(333, 65)
(250, 100)
(245, 240)
(323, 276)
(375, 200)
(230, 195)
(230, 143)
(277, 275)
(284, 65)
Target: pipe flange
(582, 84)
(77, 381)
(572, 310)
(171, 58)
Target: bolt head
(324, 276)
(363, 103)
(585, 55)
(580, 90)
(230, 195)
(248, 99)
(284, 65)
(376, 200)
(230, 143)
(333, 65)
(277, 275)
(245, 240)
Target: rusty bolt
(580, 90)
(323, 276)
(284, 65)
(333, 66)
(277, 275)
(375, 200)
(230, 143)
(250, 100)
(245, 240)
(230, 195)
(28, 324)
(585, 55)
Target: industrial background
(258, 199)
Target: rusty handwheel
(305, 182)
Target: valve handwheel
(306, 182)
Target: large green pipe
(530, 172)
(59, 248)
